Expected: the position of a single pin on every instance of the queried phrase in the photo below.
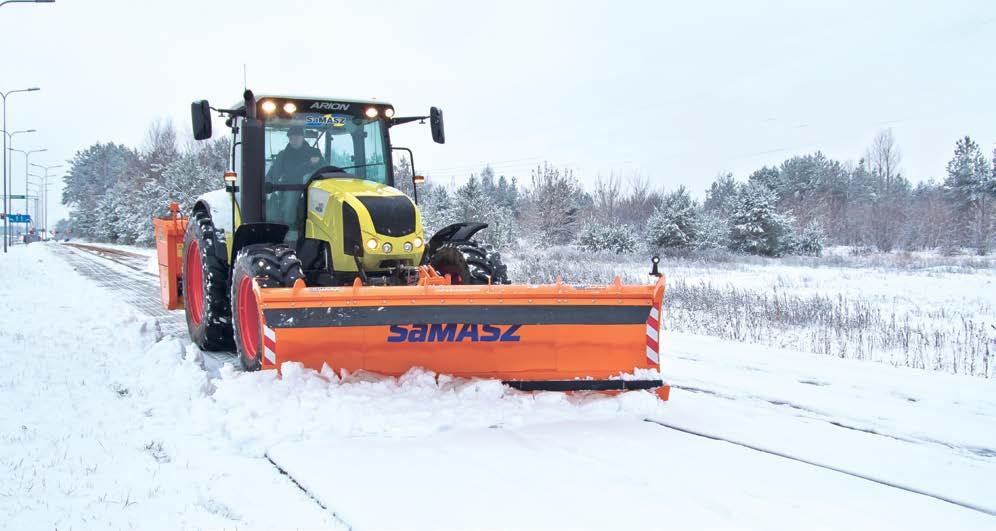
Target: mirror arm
(229, 112)
(411, 157)
(407, 119)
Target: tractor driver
(295, 160)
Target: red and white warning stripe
(653, 334)
(269, 345)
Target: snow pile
(259, 410)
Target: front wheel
(273, 266)
(469, 262)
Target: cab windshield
(296, 147)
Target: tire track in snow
(866, 477)
(308, 493)
(821, 416)
(140, 289)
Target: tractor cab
(349, 135)
(317, 174)
(346, 139)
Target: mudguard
(452, 233)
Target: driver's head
(296, 136)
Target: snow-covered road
(111, 424)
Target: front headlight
(371, 244)
(408, 247)
(387, 247)
(418, 242)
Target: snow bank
(95, 431)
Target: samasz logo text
(452, 333)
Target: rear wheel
(205, 285)
(273, 266)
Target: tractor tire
(469, 262)
(273, 266)
(205, 285)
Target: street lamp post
(27, 158)
(6, 230)
(10, 139)
(45, 200)
(40, 207)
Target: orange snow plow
(532, 337)
(329, 264)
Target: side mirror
(418, 179)
(200, 117)
(436, 123)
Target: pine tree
(809, 241)
(971, 188)
(92, 172)
(713, 229)
(674, 223)
(437, 208)
(555, 204)
(756, 226)
(596, 236)
(720, 195)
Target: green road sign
(16, 196)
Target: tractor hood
(379, 221)
(391, 212)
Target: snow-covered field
(111, 423)
(908, 309)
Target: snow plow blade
(532, 337)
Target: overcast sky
(673, 91)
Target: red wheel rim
(248, 319)
(194, 288)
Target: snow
(95, 429)
(109, 424)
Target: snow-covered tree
(809, 241)
(92, 172)
(720, 195)
(674, 223)
(712, 230)
(970, 186)
(554, 205)
(437, 208)
(596, 236)
(756, 226)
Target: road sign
(19, 218)
(16, 197)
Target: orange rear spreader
(553, 337)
